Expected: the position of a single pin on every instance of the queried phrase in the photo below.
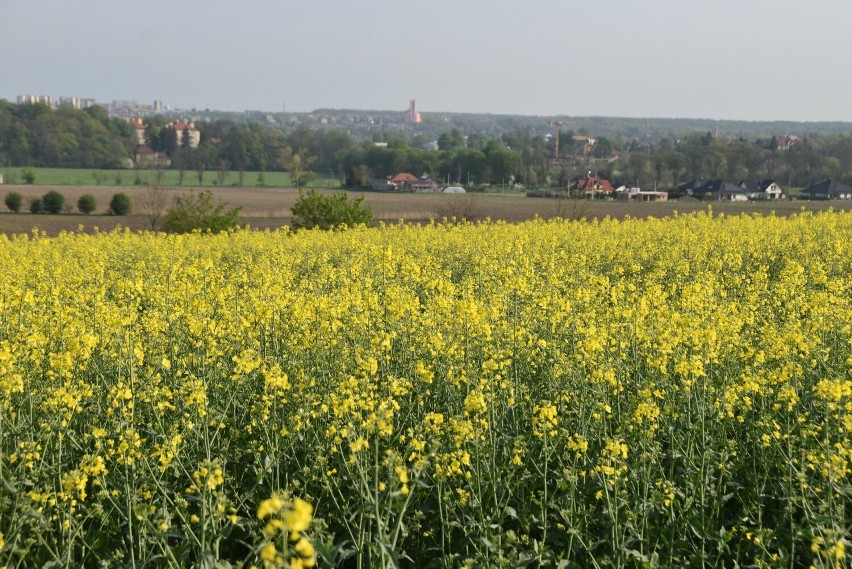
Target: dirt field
(270, 207)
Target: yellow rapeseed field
(654, 393)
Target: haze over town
(756, 60)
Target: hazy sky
(721, 59)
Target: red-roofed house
(144, 156)
(403, 179)
(193, 134)
(424, 184)
(591, 186)
(139, 127)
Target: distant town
(635, 159)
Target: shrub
(28, 175)
(313, 209)
(197, 211)
(14, 201)
(87, 204)
(35, 205)
(119, 204)
(53, 202)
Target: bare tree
(154, 200)
(460, 207)
(568, 208)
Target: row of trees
(54, 202)
(668, 164)
(191, 212)
(515, 157)
(35, 135)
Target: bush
(313, 209)
(198, 212)
(14, 201)
(35, 205)
(87, 204)
(119, 204)
(53, 202)
(29, 175)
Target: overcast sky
(719, 59)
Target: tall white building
(35, 99)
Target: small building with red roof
(139, 127)
(591, 186)
(403, 178)
(144, 156)
(188, 130)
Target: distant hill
(653, 129)
(367, 123)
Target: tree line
(35, 135)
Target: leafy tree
(119, 204)
(244, 150)
(298, 168)
(198, 212)
(638, 166)
(53, 202)
(168, 141)
(185, 141)
(313, 209)
(359, 177)
(87, 204)
(14, 201)
(451, 140)
(35, 205)
(29, 175)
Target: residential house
(591, 186)
(423, 184)
(633, 194)
(716, 189)
(762, 189)
(381, 184)
(139, 128)
(146, 158)
(405, 182)
(827, 190)
(188, 130)
(402, 179)
(786, 142)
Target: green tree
(35, 205)
(313, 209)
(637, 168)
(451, 140)
(185, 141)
(119, 204)
(87, 204)
(53, 202)
(29, 175)
(298, 168)
(14, 201)
(244, 150)
(168, 140)
(198, 212)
